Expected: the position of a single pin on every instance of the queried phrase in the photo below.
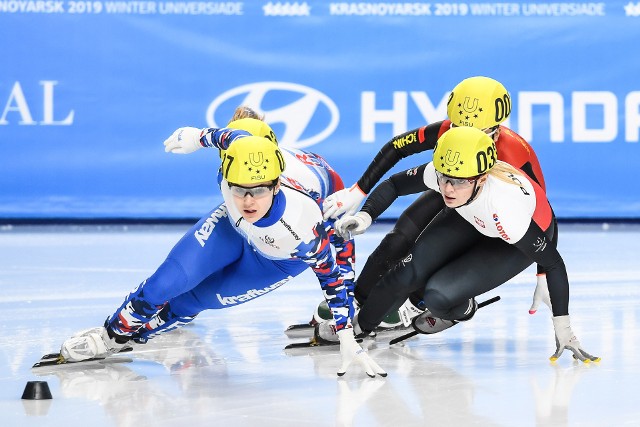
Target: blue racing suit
(223, 261)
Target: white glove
(349, 226)
(566, 339)
(347, 201)
(350, 350)
(183, 141)
(541, 294)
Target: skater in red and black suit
(479, 102)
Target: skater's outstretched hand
(183, 141)
(350, 350)
(541, 294)
(566, 339)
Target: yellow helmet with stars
(255, 127)
(480, 102)
(464, 152)
(251, 160)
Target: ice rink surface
(228, 368)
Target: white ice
(229, 368)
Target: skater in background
(496, 223)
(268, 230)
(480, 102)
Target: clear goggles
(259, 192)
(488, 131)
(456, 182)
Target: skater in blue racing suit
(268, 230)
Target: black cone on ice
(36, 390)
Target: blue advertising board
(89, 90)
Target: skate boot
(322, 313)
(92, 343)
(325, 332)
(390, 321)
(409, 310)
(306, 330)
(426, 323)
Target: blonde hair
(244, 112)
(502, 170)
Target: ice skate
(325, 334)
(323, 314)
(94, 343)
(426, 323)
(305, 330)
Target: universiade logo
(309, 116)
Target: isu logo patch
(540, 244)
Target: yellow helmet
(251, 160)
(255, 127)
(464, 152)
(479, 102)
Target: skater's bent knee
(437, 303)
(393, 247)
(168, 277)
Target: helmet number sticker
(503, 108)
(486, 160)
(228, 160)
(281, 163)
(272, 137)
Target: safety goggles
(259, 192)
(488, 131)
(456, 182)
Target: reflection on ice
(229, 367)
